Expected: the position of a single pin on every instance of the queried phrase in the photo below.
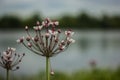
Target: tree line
(82, 21)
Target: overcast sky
(58, 7)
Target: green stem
(47, 68)
(7, 74)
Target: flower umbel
(46, 42)
(10, 59)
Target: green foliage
(10, 22)
(97, 74)
(80, 21)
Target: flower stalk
(47, 68)
(7, 74)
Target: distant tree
(32, 20)
(10, 22)
(80, 21)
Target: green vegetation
(82, 21)
(98, 74)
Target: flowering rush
(46, 41)
(10, 59)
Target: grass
(97, 74)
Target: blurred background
(96, 23)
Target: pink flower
(20, 40)
(47, 42)
(36, 28)
(69, 33)
(29, 45)
(47, 35)
(53, 32)
(70, 40)
(28, 38)
(40, 27)
(9, 59)
(61, 47)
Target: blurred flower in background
(9, 60)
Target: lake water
(103, 47)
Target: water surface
(103, 47)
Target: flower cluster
(46, 42)
(9, 59)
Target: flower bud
(47, 20)
(29, 45)
(38, 23)
(23, 54)
(28, 38)
(53, 32)
(69, 33)
(20, 40)
(17, 67)
(40, 27)
(13, 49)
(63, 42)
(20, 60)
(59, 30)
(36, 39)
(52, 73)
(26, 28)
(71, 41)
(56, 40)
(61, 47)
(56, 23)
(47, 35)
(35, 28)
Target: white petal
(35, 28)
(55, 33)
(40, 27)
(26, 27)
(29, 44)
(47, 34)
(43, 23)
(63, 47)
(72, 40)
(68, 38)
(32, 38)
(62, 41)
(18, 41)
(56, 23)
(13, 49)
(66, 32)
(4, 53)
(9, 48)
